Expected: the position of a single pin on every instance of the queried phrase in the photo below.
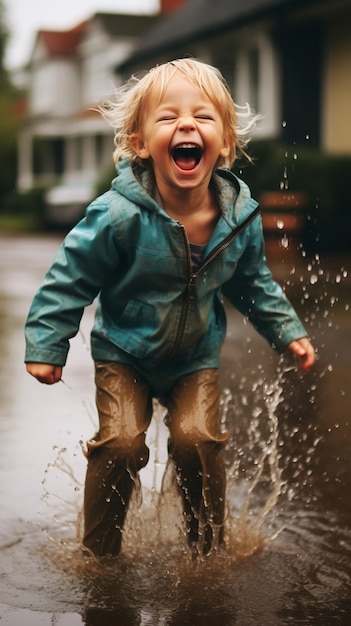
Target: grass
(19, 223)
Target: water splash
(253, 499)
(62, 495)
(254, 485)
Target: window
(253, 78)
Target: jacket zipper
(188, 295)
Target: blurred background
(289, 60)
(288, 459)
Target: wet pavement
(288, 557)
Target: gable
(54, 43)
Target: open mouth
(187, 156)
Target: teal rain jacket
(154, 312)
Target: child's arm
(254, 292)
(83, 263)
(304, 351)
(45, 373)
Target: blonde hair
(124, 112)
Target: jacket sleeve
(258, 297)
(82, 265)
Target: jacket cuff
(52, 357)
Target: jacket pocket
(134, 327)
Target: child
(158, 250)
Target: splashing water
(253, 499)
(254, 485)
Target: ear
(225, 150)
(140, 148)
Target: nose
(186, 122)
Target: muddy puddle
(288, 544)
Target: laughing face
(182, 135)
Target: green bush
(324, 178)
(104, 183)
(26, 208)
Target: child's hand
(45, 373)
(304, 351)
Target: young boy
(158, 250)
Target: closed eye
(205, 117)
(166, 118)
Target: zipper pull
(192, 285)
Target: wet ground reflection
(298, 513)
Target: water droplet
(285, 242)
(280, 224)
(284, 124)
(313, 279)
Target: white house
(64, 143)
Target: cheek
(161, 141)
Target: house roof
(126, 24)
(65, 42)
(201, 18)
(61, 42)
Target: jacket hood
(137, 184)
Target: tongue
(185, 162)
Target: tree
(10, 120)
(5, 82)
